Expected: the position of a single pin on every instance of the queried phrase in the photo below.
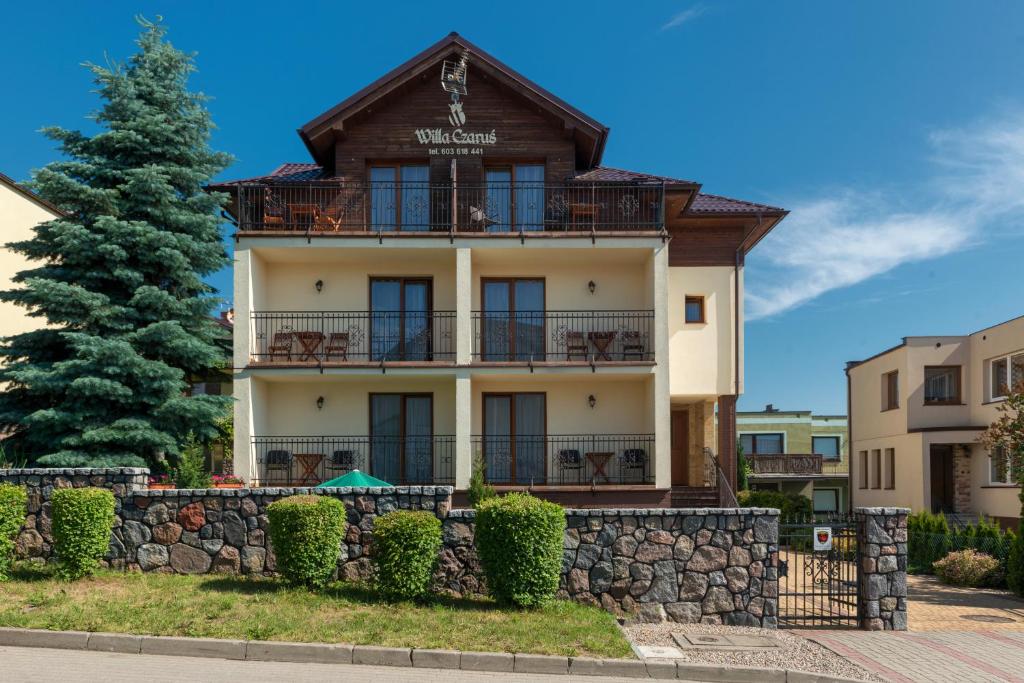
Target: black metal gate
(818, 588)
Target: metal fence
(566, 460)
(311, 460)
(352, 336)
(818, 587)
(590, 336)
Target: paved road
(22, 664)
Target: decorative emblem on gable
(453, 80)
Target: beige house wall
(702, 356)
(19, 214)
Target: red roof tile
(713, 203)
(285, 173)
(609, 174)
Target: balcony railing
(311, 460)
(567, 460)
(550, 336)
(796, 464)
(333, 207)
(329, 337)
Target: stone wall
(882, 541)
(712, 566)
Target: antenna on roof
(453, 75)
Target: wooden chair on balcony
(337, 347)
(575, 345)
(569, 460)
(633, 345)
(273, 208)
(281, 345)
(278, 461)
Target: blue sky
(893, 131)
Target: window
(1004, 374)
(1000, 471)
(515, 198)
(941, 385)
(825, 446)
(694, 309)
(400, 198)
(762, 443)
(876, 469)
(862, 465)
(826, 500)
(891, 390)
(890, 468)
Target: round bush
(405, 548)
(520, 539)
(306, 532)
(790, 505)
(13, 502)
(82, 519)
(967, 568)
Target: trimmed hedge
(82, 519)
(306, 532)
(1015, 565)
(405, 552)
(13, 509)
(520, 540)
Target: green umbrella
(354, 478)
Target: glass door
(400, 198)
(400, 315)
(514, 442)
(515, 198)
(513, 320)
(402, 437)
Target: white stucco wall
(18, 215)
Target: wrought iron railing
(789, 464)
(330, 206)
(328, 337)
(311, 460)
(538, 336)
(566, 460)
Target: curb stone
(341, 653)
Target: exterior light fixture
(591, 286)
(320, 403)
(319, 286)
(591, 401)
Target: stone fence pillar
(882, 548)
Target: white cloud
(836, 241)
(686, 15)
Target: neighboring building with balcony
(916, 412)
(795, 451)
(456, 277)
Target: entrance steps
(694, 497)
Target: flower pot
(160, 487)
(232, 485)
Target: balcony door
(401, 437)
(400, 315)
(515, 198)
(513, 319)
(400, 197)
(515, 437)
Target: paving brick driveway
(934, 606)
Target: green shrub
(405, 547)
(519, 539)
(13, 502)
(306, 532)
(1015, 565)
(478, 490)
(967, 568)
(82, 519)
(191, 472)
(791, 505)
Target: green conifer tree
(120, 275)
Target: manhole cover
(988, 618)
(705, 639)
(715, 641)
(659, 652)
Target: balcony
(796, 465)
(591, 460)
(339, 207)
(563, 336)
(329, 338)
(398, 460)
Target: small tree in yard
(1006, 436)
(119, 281)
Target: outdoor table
(310, 342)
(309, 462)
(601, 342)
(600, 460)
(305, 214)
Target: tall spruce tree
(120, 276)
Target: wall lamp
(591, 401)
(591, 286)
(320, 403)
(319, 286)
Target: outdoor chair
(342, 460)
(633, 460)
(337, 345)
(575, 345)
(569, 460)
(273, 208)
(281, 345)
(278, 461)
(632, 345)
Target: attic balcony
(338, 208)
(775, 465)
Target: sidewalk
(932, 656)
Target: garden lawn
(268, 609)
